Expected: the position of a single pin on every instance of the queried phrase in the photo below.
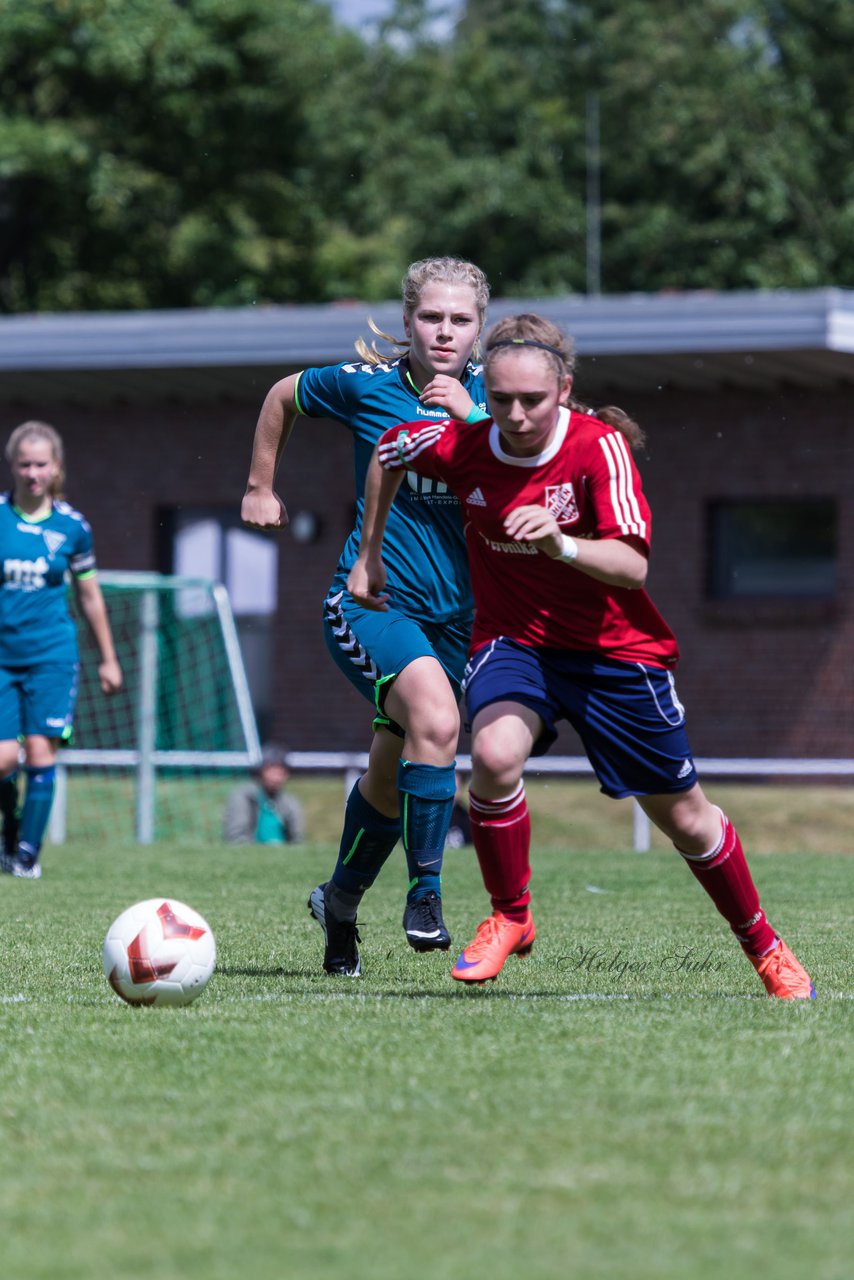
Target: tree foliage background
(171, 153)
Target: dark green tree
(466, 146)
(710, 148)
(813, 44)
(154, 152)
(211, 152)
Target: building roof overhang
(760, 341)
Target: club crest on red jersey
(560, 501)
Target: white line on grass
(573, 997)
(273, 997)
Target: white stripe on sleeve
(624, 501)
(399, 452)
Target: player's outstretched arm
(91, 602)
(367, 578)
(262, 508)
(610, 560)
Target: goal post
(155, 761)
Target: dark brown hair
(535, 331)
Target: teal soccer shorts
(38, 700)
(372, 648)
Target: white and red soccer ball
(159, 952)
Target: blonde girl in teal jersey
(42, 541)
(409, 666)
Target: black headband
(525, 342)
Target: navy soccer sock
(9, 801)
(427, 800)
(366, 842)
(35, 813)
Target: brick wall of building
(769, 680)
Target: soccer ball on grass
(159, 952)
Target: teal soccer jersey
(424, 550)
(36, 556)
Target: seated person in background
(261, 811)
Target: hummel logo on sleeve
(476, 498)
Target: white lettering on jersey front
(421, 412)
(25, 527)
(26, 574)
(423, 486)
(514, 548)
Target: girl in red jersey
(558, 537)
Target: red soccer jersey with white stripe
(587, 478)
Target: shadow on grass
(231, 971)
(306, 984)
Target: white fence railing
(353, 763)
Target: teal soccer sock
(366, 842)
(427, 800)
(35, 813)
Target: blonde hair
(40, 431)
(418, 276)
(531, 330)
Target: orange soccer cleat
(783, 974)
(497, 938)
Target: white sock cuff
(715, 850)
(500, 805)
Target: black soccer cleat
(341, 955)
(423, 924)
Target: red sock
(501, 831)
(724, 875)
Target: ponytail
(613, 416)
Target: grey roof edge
(630, 324)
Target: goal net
(155, 761)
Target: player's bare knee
(494, 767)
(693, 829)
(444, 728)
(432, 734)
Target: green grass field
(624, 1103)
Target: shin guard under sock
(426, 802)
(724, 874)
(501, 831)
(35, 813)
(366, 842)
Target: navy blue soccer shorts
(38, 700)
(371, 648)
(627, 715)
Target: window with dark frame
(772, 548)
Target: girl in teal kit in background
(409, 662)
(42, 539)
